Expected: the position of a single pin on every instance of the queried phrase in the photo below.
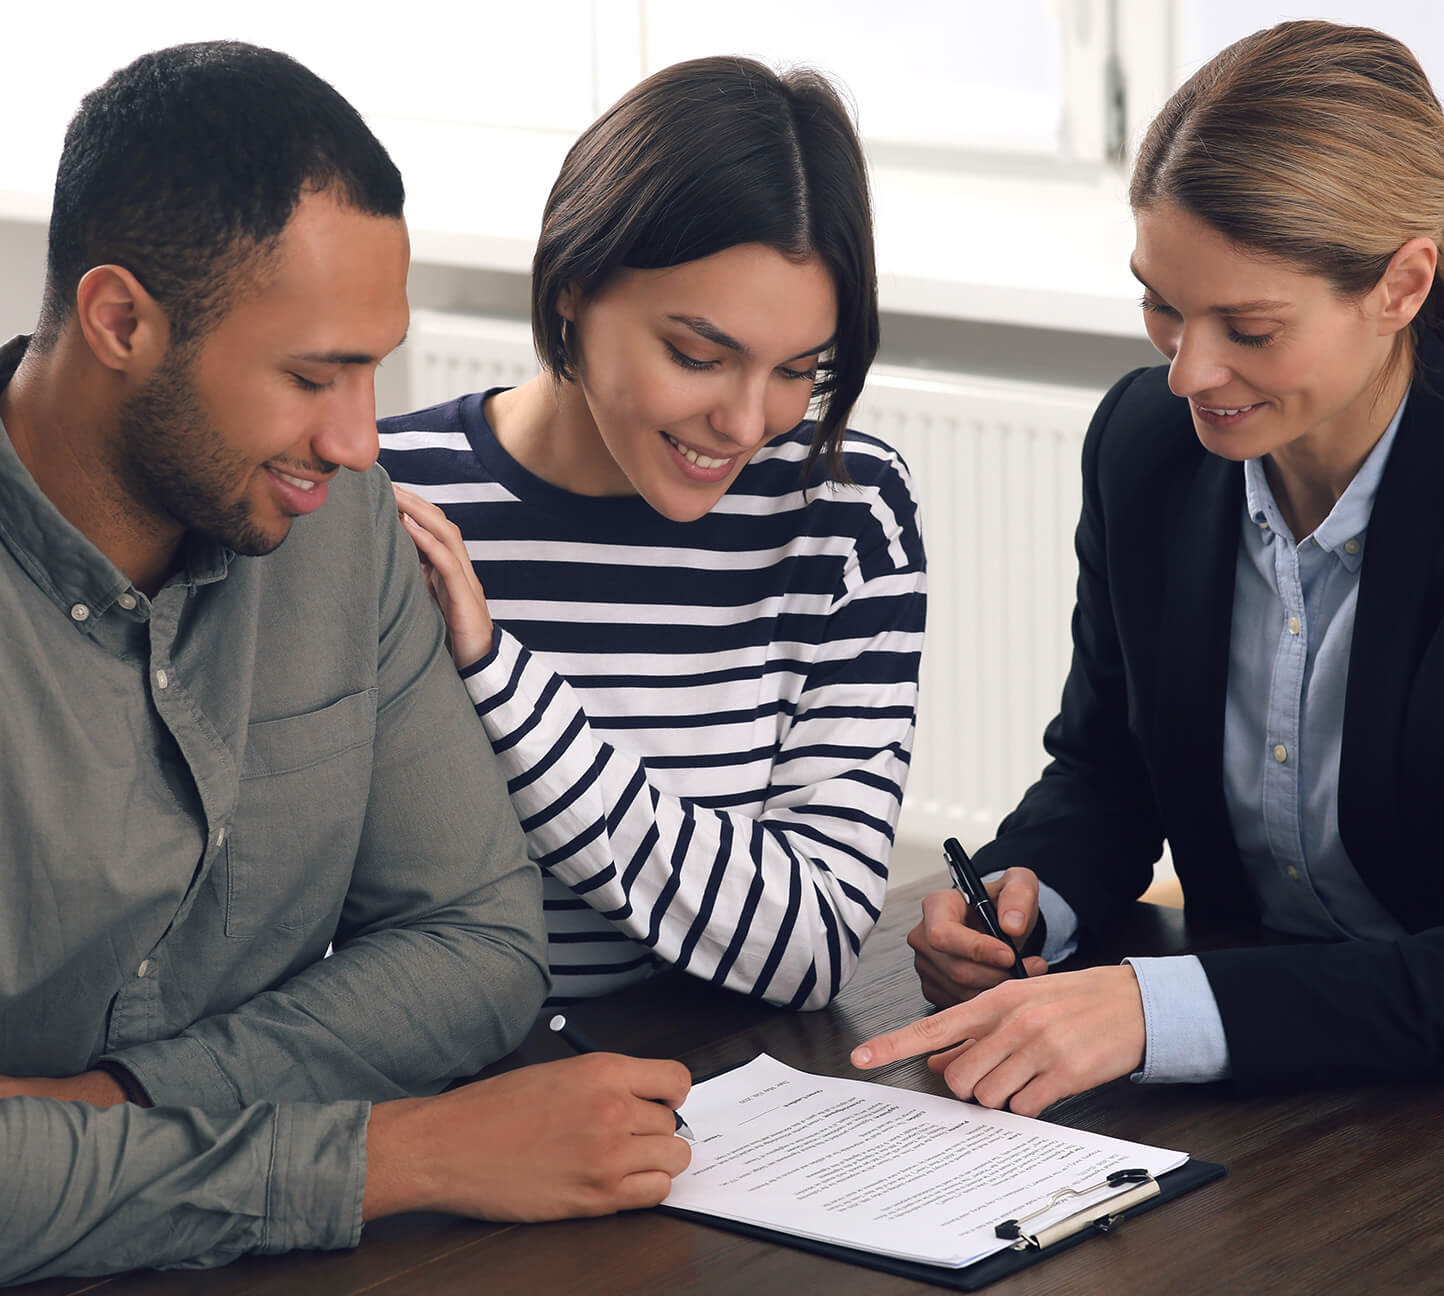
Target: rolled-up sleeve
(90, 1190)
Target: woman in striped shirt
(697, 648)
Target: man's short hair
(190, 161)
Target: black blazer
(1137, 748)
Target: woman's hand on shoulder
(449, 576)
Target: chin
(1220, 443)
(253, 541)
(684, 511)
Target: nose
(1195, 365)
(741, 416)
(347, 435)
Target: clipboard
(1133, 1198)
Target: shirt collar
(1342, 532)
(58, 557)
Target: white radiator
(996, 469)
(995, 465)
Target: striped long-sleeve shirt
(706, 725)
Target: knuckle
(1032, 1019)
(935, 1028)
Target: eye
(797, 375)
(686, 361)
(1151, 307)
(305, 384)
(1250, 339)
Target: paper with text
(881, 1169)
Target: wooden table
(1336, 1191)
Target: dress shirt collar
(74, 574)
(1342, 532)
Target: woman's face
(687, 371)
(1266, 356)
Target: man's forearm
(98, 1088)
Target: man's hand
(1026, 1044)
(577, 1137)
(955, 958)
(98, 1088)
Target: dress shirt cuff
(318, 1176)
(132, 1088)
(179, 1072)
(1062, 925)
(1183, 1031)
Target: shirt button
(162, 680)
(1281, 753)
(127, 601)
(1293, 625)
(80, 612)
(220, 836)
(144, 969)
(1293, 874)
(1352, 546)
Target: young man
(232, 735)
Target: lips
(1226, 413)
(703, 468)
(696, 457)
(1224, 416)
(298, 495)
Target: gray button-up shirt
(200, 793)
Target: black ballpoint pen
(966, 880)
(583, 1043)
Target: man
(232, 736)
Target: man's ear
(567, 301)
(123, 325)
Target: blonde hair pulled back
(1316, 144)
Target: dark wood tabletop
(1340, 1190)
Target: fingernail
(861, 1056)
(406, 517)
(1014, 918)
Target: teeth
(299, 482)
(701, 460)
(1208, 409)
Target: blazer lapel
(1396, 617)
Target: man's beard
(175, 464)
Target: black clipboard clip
(1101, 1217)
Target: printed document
(888, 1170)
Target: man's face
(236, 437)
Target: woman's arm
(772, 899)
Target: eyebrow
(1263, 306)
(342, 357)
(706, 329)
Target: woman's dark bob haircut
(700, 157)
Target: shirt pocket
(299, 817)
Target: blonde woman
(1258, 668)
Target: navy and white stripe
(706, 726)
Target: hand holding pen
(583, 1043)
(966, 880)
(961, 947)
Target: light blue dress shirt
(1293, 624)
